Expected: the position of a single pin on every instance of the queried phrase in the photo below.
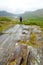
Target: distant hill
(37, 13)
(7, 14)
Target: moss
(32, 38)
(12, 63)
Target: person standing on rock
(21, 19)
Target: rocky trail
(17, 45)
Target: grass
(6, 23)
(33, 21)
(4, 18)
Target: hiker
(20, 19)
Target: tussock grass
(33, 21)
(5, 23)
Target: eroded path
(17, 35)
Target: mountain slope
(37, 13)
(7, 14)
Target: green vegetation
(5, 23)
(5, 19)
(33, 21)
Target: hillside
(36, 13)
(6, 14)
(5, 23)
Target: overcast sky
(20, 6)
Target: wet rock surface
(13, 45)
